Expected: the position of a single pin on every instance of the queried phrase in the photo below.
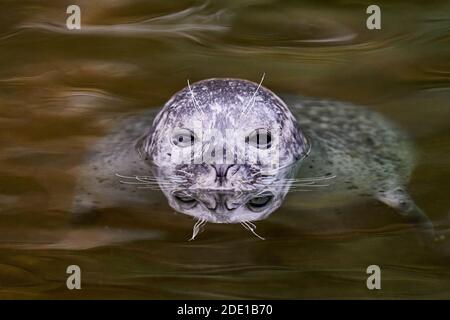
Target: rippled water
(61, 90)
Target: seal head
(224, 150)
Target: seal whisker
(125, 177)
(159, 178)
(310, 179)
(258, 172)
(301, 185)
(185, 172)
(145, 182)
(252, 99)
(149, 179)
(155, 188)
(137, 183)
(277, 170)
(327, 177)
(194, 101)
(151, 188)
(141, 179)
(132, 183)
(157, 184)
(170, 180)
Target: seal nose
(221, 172)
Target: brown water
(60, 90)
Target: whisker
(142, 180)
(146, 183)
(185, 172)
(125, 177)
(132, 183)
(276, 170)
(162, 181)
(300, 185)
(148, 180)
(328, 177)
(159, 178)
(151, 188)
(252, 99)
(304, 179)
(289, 181)
(193, 98)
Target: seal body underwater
(333, 150)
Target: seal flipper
(399, 199)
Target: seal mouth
(260, 202)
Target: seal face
(224, 150)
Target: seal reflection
(226, 203)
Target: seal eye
(260, 139)
(183, 138)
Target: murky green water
(61, 90)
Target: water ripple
(190, 23)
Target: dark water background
(61, 90)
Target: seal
(230, 150)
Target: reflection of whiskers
(296, 184)
(198, 228)
(153, 183)
(251, 227)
